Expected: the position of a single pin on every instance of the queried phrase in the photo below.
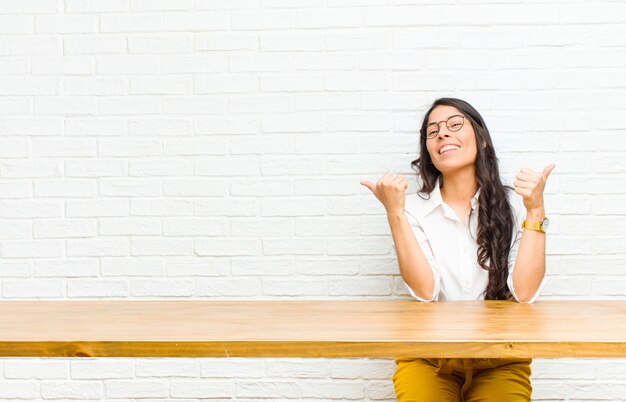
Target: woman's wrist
(395, 213)
(535, 214)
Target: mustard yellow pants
(462, 380)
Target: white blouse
(451, 249)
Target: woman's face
(464, 152)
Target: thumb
(369, 185)
(548, 169)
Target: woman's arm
(414, 266)
(530, 265)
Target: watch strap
(533, 226)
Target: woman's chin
(447, 167)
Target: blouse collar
(436, 200)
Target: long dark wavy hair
(495, 214)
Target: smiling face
(462, 153)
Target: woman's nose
(443, 134)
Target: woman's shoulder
(417, 198)
(414, 203)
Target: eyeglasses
(454, 123)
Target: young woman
(465, 236)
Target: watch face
(545, 224)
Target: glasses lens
(432, 130)
(455, 123)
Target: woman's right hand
(389, 190)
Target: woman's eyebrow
(431, 122)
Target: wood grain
(312, 328)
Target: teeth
(442, 150)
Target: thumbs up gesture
(530, 185)
(389, 190)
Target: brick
(324, 62)
(101, 369)
(16, 24)
(13, 45)
(50, 228)
(28, 86)
(226, 41)
(29, 7)
(94, 44)
(95, 6)
(95, 126)
(33, 288)
(197, 267)
(179, 43)
(64, 105)
(160, 167)
(267, 266)
(161, 5)
(268, 19)
(65, 188)
(194, 227)
(135, 187)
(329, 18)
(161, 207)
(291, 42)
(96, 288)
(294, 287)
(292, 83)
(127, 64)
(26, 369)
(175, 368)
(132, 266)
(259, 62)
(193, 104)
(66, 24)
(91, 86)
(135, 389)
(201, 389)
(49, 147)
(195, 187)
(67, 268)
(162, 288)
(197, 21)
(32, 209)
(163, 126)
(361, 81)
(97, 208)
(291, 123)
(229, 287)
(137, 105)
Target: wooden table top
(312, 328)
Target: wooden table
(304, 328)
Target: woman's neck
(459, 187)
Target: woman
(471, 238)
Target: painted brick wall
(155, 149)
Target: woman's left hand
(530, 185)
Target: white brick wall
(213, 149)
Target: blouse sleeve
(424, 245)
(520, 215)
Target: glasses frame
(448, 127)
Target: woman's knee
(415, 380)
(510, 382)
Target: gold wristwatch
(538, 226)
